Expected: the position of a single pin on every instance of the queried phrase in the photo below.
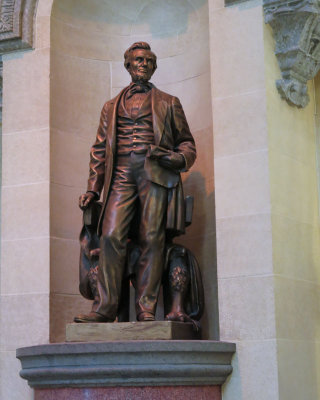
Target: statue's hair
(138, 45)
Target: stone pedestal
(155, 330)
(149, 369)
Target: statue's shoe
(92, 317)
(177, 316)
(145, 316)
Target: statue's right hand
(85, 199)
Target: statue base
(121, 331)
(149, 369)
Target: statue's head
(140, 61)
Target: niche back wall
(88, 39)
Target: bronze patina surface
(143, 143)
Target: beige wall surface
(24, 303)
(265, 180)
(244, 233)
(88, 40)
(295, 234)
(267, 213)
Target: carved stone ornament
(296, 28)
(16, 24)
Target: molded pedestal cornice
(296, 29)
(16, 24)
(131, 363)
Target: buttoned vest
(134, 134)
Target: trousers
(131, 192)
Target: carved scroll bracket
(16, 24)
(296, 28)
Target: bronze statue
(182, 283)
(142, 145)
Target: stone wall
(295, 235)
(244, 238)
(267, 213)
(24, 308)
(265, 181)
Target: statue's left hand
(85, 199)
(173, 161)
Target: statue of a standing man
(142, 145)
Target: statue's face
(141, 66)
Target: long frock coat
(171, 132)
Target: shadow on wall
(200, 238)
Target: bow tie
(138, 88)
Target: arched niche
(88, 39)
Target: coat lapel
(112, 120)
(159, 111)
